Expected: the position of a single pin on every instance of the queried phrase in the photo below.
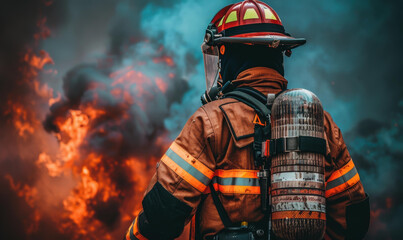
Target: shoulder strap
(220, 208)
(251, 101)
(254, 93)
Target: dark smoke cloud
(352, 53)
(128, 127)
(377, 149)
(125, 130)
(19, 23)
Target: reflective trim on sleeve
(133, 233)
(236, 181)
(342, 179)
(187, 167)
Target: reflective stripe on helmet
(250, 13)
(187, 167)
(342, 179)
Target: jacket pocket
(357, 217)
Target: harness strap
(252, 102)
(220, 208)
(301, 143)
(253, 93)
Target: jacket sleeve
(182, 175)
(347, 205)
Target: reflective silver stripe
(298, 184)
(299, 206)
(187, 167)
(297, 176)
(291, 162)
(237, 181)
(298, 198)
(298, 168)
(344, 178)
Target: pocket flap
(239, 118)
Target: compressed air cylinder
(297, 178)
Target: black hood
(240, 57)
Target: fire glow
(104, 145)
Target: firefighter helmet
(249, 22)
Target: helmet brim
(273, 40)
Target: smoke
(22, 27)
(377, 150)
(108, 101)
(126, 96)
(127, 74)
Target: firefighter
(208, 177)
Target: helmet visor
(211, 65)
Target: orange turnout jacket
(215, 145)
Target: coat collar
(264, 80)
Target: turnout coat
(215, 145)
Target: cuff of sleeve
(134, 232)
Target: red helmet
(249, 22)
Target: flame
(44, 31)
(165, 59)
(23, 122)
(77, 183)
(25, 191)
(161, 84)
(74, 129)
(93, 180)
(53, 100)
(54, 168)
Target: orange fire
(21, 119)
(79, 184)
(165, 59)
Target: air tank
(297, 177)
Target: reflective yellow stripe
(269, 14)
(250, 14)
(222, 19)
(232, 17)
